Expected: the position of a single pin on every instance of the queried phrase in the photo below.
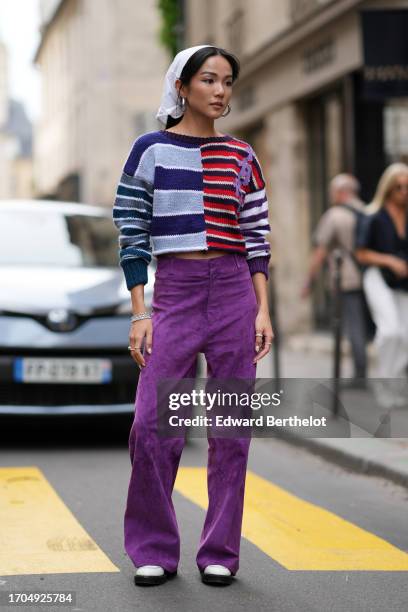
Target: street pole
(275, 326)
(337, 319)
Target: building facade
(302, 101)
(16, 168)
(102, 72)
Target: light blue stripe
(191, 202)
(186, 242)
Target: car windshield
(54, 238)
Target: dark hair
(193, 65)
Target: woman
(384, 249)
(196, 200)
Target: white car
(64, 311)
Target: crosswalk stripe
(297, 534)
(38, 533)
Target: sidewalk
(310, 356)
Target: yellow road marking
(298, 534)
(38, 533)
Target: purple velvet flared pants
(199, 305)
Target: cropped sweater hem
(135, 270)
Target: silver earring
(228, 112)
(182, 104)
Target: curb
(322, 345)
(333, 450)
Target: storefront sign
(385, 42)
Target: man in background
(336, 230)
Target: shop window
(396, 130)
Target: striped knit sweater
(190, 193)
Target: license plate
(62, 370)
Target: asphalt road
(304, 518)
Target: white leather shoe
(219, 570)
(150, 570)
(151, 574)
(216, 575)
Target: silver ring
(258, 334)
(136, 348)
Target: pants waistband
(229, 261)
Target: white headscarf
(168, 104)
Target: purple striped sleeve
(254, 221)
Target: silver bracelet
(138, 317)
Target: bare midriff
(197, 254)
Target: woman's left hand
(263, 326)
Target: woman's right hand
(139, 330)
(398, 266)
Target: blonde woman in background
(385, 251)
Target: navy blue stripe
(238, 244)
(214, 185)
(130, 213)
(135, 231)
(141, 214)
(179, 224)
(132, 231)
(141, 144)
(252, 218)
(220, 215)
(173, 178)
(220, 146)
(133, 192)
(224, 228)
